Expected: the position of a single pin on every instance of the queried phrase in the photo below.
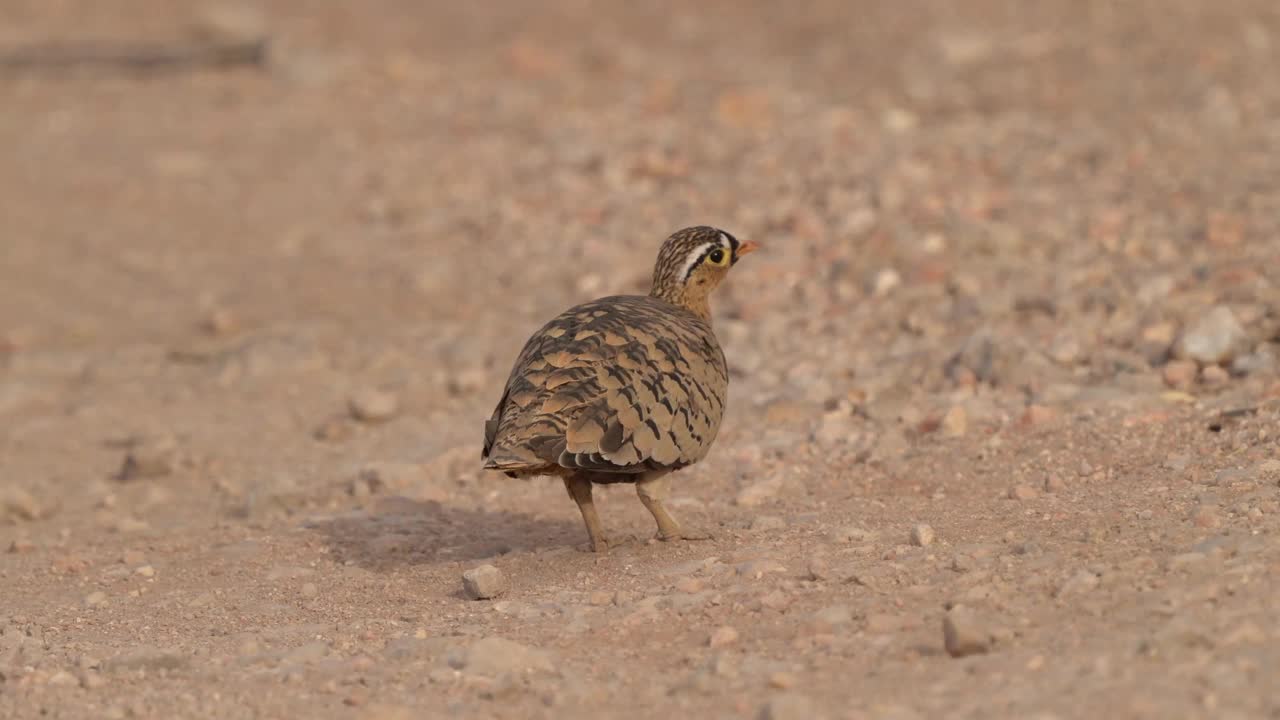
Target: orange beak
(747, 248)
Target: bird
(623, 389)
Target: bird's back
(622, 384)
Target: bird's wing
(618, 385)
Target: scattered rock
(62, 678)
(1207, 517)
(373, 406)
(1054, 484)
(689, 585)
(149, 458)
(18, 505)
(220, 321)
(1254, 363)
(95, 598)
(335, 429)
(956, 422)
(782, 680)
(483, 583)
(1180, 374)
(819, 569)
(1065, 349)
(722, 636)
(1215, 338)
(776, 600)
(974, 362)
(963, 634)
(145, 571)
(1038, 415)
(834, 615)
(1214, 376)
(789, 706)
(1022, 492)
(495, 656)
(886, 280)
(922, 535)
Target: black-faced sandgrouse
(624, 389)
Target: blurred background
(274, 259)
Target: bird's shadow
(396, 531)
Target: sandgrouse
(624, 389)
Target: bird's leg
(579, 488)
(652, 490)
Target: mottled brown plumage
(624, 388)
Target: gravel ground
(1005, 404)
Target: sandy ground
(1006, 365)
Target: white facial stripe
(725, 242)
(694, 257)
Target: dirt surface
(1003, 420)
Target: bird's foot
(600, 546)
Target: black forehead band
(733, 241)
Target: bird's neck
(698, 303)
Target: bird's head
(692, 262)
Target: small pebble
(95, 599)
(152, 457)
(1022, 492)
(834, 615)
(1214, 376)
(1054, 484)
(722, 636)
(886, 280)
(819, 569)
(922, 535)
(688, 585)
(1207, 517)
(1038, 415)
(963, 634)
(373, 406)
(145, 571)
(782, 680)
(483, 582)
(1180, 374)
(309, 590)
(955, 423)
(220, 322)
(17, 504)
(1215, 338)
(62, 678)
(335, 429)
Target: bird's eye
(717, 257)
